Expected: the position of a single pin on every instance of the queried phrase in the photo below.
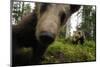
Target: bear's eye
(62, 17)
(43, 7)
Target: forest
(63, 49)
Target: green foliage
(19, 10)
(88, 24)
(61, 51)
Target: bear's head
(50, 18)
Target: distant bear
(78, 37)
(37, 31)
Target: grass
(62, 51)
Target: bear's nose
(46, 38)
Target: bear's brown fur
(37, 30)
(78, 37)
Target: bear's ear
(74, 8)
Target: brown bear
(78, 37)
(37, 31)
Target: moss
(61, 51)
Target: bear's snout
(46, 37)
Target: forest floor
(62, 51)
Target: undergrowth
(64, 51)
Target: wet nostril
(46, 38)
